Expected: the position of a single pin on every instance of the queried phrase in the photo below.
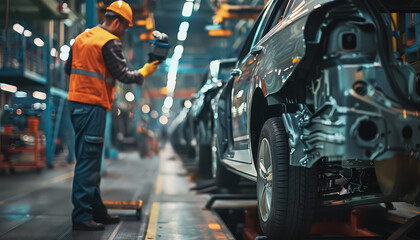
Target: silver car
(320, 109)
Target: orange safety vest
(90, 80)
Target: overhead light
(183, 27)
(165, 109)
(187, 10)
(168, 61)
(129, 96)
(38, 42)
(53, 52)
(190, 0)
(8, 88)
(163, 120)
(187, 104)
(18, 28)
(197, 6)
(182, 36)
(170, 86)
(39, 95)
(154, 114)
(214, 68)
(65, 48)
(145, 108)
(212, 27)
(36, 105)
(168, 102)
(27, 33)
(21, 94)
(179, 49)
(64, 56)
(68, 22)
(220, 33)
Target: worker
(95, 62)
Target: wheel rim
(214, 157)
(265, 179)
(197, 147)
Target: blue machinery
(25, 64)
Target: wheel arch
(261, 110)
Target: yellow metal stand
(130, 205)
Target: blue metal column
(91, 15)
(137, 110)
(57, 125)
(407, 20)
(48, 111)
(416, 27)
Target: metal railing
(20, 54)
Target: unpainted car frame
(319, 109)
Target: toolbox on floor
(129, 205)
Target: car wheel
(286, 194)
(223, 177)
(203, 157)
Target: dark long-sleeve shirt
(115, 63)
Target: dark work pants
(89, 127)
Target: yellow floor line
(411, 210)
(114, 233)
(158, 187)
(62, 177)
(154, 217)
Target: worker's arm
(116, 63)
(67, 66)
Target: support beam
(48, 111)
(91, 13)
(57, 126)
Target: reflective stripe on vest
(91, 74)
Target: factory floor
(38, 205)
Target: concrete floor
(38, 205)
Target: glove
(149, 68)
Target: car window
(293, 4)
(277, 16)
(252, 34)
(265, 18)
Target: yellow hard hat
(123, 9)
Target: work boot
(88, 226)
(108, 219)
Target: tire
(203, 157)
(287, 213)
(223, 177)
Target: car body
(199, 120)
(180, 140)
(319, 109)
